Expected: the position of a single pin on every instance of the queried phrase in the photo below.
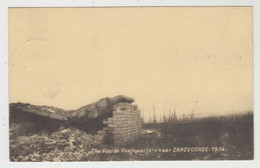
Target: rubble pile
(68, 144)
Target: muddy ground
(215, 138)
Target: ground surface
(219, 138)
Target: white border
(4, 146)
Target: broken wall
(124, 127)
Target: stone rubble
(64, 145)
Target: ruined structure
(115, 120)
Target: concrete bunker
(112, 120)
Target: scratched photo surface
(130, 83)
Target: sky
(196, 59)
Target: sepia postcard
(130, 84)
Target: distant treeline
(234, 132)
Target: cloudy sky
(197, 58)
